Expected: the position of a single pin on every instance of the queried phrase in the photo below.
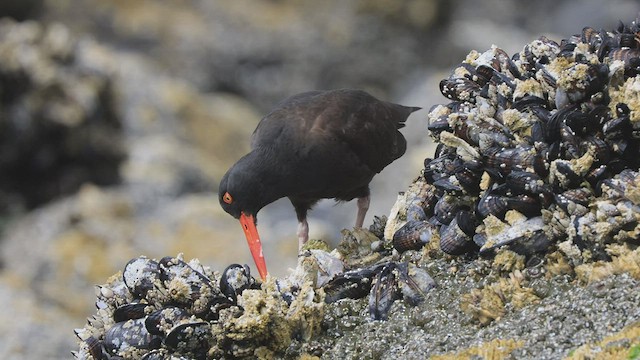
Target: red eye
(227, 198)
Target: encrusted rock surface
(156, 73)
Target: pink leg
(303, 233)
(363, 206)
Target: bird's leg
(303, 233)
(301, 208)
(363, 206)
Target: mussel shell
(461, 89)
(454, 241)
(190, 338)
(525, 204)
(476, 133)
(617, 186)
(140, 275)
(448, 185)
(172, 267)
(589, 35)
(484, 73)
(522, 158)
(565, 177)
(130, 333)
(596, 175)
(495, 205)
(516, 232)
(538, 242)
(469, 180)
(414, 283)
(441, 166)
(630, 58)
(354, 284)
(161, 321)
(445, 209)
(130, 312)
(569, 143)
(594, 80)
(617, 128)
(201, 293)
(235, 279)
(529, 102)
(566, 49)
(558, 119)
(627, 178)
(524, 182)
(466, 221)
(581, 123)
(159, 354)
(601, 151)
(438, 126)
(480, 239)
(413, 236)
(384, 293)
(96, 348)
(415, 212)
(580, 196)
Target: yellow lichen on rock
(493, 225)
(496, 349)
(317, 244)
(483, 305)
(507, 261)
(528, 87)
(488, 304)
(305, 312)
(624, 260)
(267, 323)
(355, 247)
(557, 264)
(624, 344)
(262, 322)
(629, 94)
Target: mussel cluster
(384, 283)
(159, 309)
(534, 149)
(172, 309)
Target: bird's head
(240, 195)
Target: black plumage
(312, 146)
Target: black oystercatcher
(315, 145)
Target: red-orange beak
(255, 246)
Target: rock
(60, 127)
(262, 51)
(180, 82)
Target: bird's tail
(404, 111)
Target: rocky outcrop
(129, 129)
(60, 126)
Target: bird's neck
(268, 180)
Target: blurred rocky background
(118, 118)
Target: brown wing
(285, 119)
(369, 127)
(345, 119)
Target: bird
(311, 146)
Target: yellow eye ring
(227, 198)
